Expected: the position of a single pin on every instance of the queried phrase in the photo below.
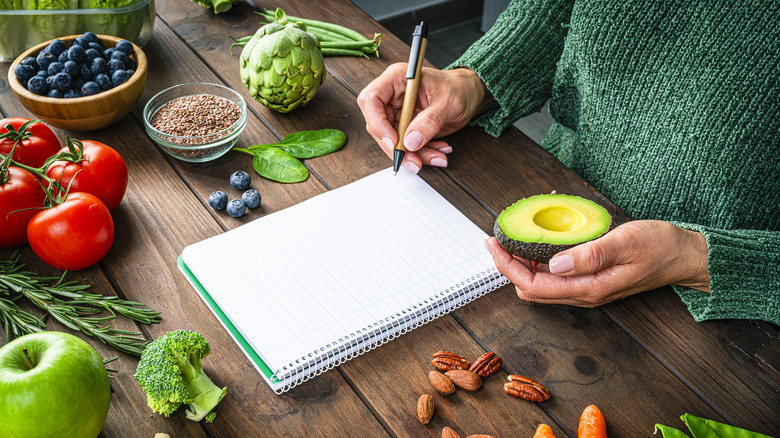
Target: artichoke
(282, 64)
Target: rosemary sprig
(68, 303)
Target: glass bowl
(196, 148)
(21, 29)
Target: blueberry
(80, 41)
(62, 82)
(130, 64)
(24, 72)
(78, 83)
(70, 94)
(107, 53)
(44, 59)
(90, 37)
(77, 53)
(38, 85)
(125, 46)
(97, 47)
(99, 65)
(56, 47)
(119, 77)
(90, 88)
(41, 73)
(55, 93)
(54, 68)
(31, 62)
(71, 68)
(103, 80)
(218, 200)
(91, 54)
(240, 180)
(121, 56)
(251, 198)
(236, 208)
(114, 65)
(85, 73)
(63, 57)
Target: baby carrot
(543, 431)
(592, 424)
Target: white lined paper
(333, 266)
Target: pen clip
(420, 32)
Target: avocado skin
(536, 251)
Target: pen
(416, 56)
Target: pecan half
(446, 361)
(486, 365)
(523, 387)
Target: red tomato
(73, 235)
(40, 142)
(103, 173)
(20, 191)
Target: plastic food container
(195, 148)
(24, 28)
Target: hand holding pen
(445, 102)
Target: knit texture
(671, 110)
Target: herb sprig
(70, 304)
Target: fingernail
(413, 141)
(487, 247)
(445, 149)
(561, 264)
(411, 167)
(388, 142)
(439, 162)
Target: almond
(425, 408)
(442, 383)
(449, 433)
(479, 435)
(468, 380)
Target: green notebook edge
(239, 338)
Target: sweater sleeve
(744, 268)
(516, 59)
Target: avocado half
(538, 227)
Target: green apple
(52, 384)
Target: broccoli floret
(171, 374)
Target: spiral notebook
(307, 288)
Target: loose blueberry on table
(218, 200)
(251, 198)
(240, 180)
(236, 208)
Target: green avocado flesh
(538, 227)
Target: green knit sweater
(670, 109)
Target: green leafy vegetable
(276, 164)
(68, 303)
(310, 144)
(703, 428)
(278, 161)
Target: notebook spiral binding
(387, 329)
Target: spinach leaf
(703, 428)
(310, 144)
(276, 164)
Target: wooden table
(642, 360)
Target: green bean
(347, 32)
(342, 52)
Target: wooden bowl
(83, 113)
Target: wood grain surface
(642, 360)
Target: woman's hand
(634, 257)
(446, 101)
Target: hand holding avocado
(634, 257)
